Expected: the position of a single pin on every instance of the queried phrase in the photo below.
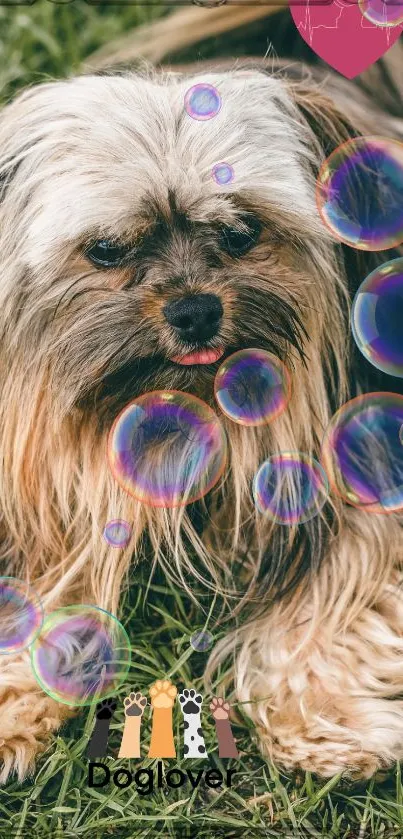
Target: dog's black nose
(195, 318)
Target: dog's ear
(337, 110)
(330, 125)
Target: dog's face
(125, 268)
(136, 270)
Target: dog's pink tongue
(199, 357)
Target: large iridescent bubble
(290, 488)
(382, 12)
(81, 655)
(167, 448)
(21, 615)
(360, 193)
(377, 317)
(363, 455)
(252, 387)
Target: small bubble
(223, 173)
(202, 101)
(252, 387)
(117, 533)
(201, 641)
(290, 488)
(382, 12)
(21, 615)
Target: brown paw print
(162, 694)
(134, 704)
(220, 708)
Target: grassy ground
(49, 40)
(261, 803)
(57, 802)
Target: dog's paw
(26, 723)
(162, 694)
(339, 735)
(219, 708)
(191, 701)
(134, 705)
(105, 709)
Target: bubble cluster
(202, 101)
(362, 452)
(382, 12)
(290, 488)
(201, 641)
(252, 387)
(21, 615)
(117, 533)
(81, 655)
(377, 317)
(360, 193)
(223, 173)
(167, 448)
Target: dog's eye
(237, 242)
(107, 253)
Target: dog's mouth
(192, 372)
(208, 355)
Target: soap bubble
(290, 488)
(252, 387)
(360, 193)
(382, 12)
(117, 533)
(82, 655)
(223, 173)
(21, 615)
(377, 317)
(362, 452)
(167, 448)
(201, 641)
(202, 101)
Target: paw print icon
(99, 739)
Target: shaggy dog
(108, 214)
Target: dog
(108, 214)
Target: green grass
(48, 41)
(262, 802)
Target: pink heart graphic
(341, 35)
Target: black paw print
(104, 712)
(106, 709)
(190, 701)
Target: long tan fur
(326, 658)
